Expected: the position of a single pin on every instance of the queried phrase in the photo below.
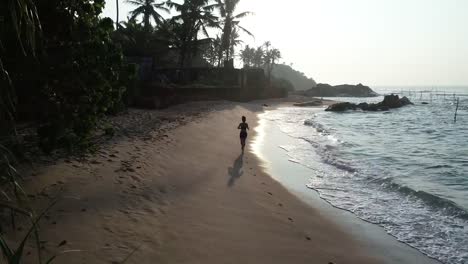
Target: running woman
(243, 133)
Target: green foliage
(79, 77)
(15, 255)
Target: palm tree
(271, 57)
(258, 57)
(149, 10)
(195, 16)
(235, 41)
(231, 24)
(247, 56)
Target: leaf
(50, 260)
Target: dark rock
(392, 101)
(345, 90)
(385, 108)
(425, 103)
(363, 106)
(405, 101)
(341, 107)
(389, 102)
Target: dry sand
(183, 194)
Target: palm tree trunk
(220, 56)
(117, 19)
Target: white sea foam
(388, 170)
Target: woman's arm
(239, 127)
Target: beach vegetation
(63, 67)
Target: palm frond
(243, 14)
(246, 31)
(135, 2)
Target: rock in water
(389, 102)
(341, 107)
(405, 101)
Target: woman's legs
(242, 141)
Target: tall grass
(14, 198)
(22, 17)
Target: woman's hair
(243, 118)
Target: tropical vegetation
(63, 67)
(264, 56)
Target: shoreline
(183, 195)
(278, 164)
(179, 197)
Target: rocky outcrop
(389, 102)
(345, 90)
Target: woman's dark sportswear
(243, 127)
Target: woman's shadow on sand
(235, 171)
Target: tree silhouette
(195, 16)
(149, 10)
(231, 25)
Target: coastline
(185, 195)
(180, 196)
(295, 176)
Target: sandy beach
(180, 193)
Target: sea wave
(404, 171)
(434, 201)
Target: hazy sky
(374, 42)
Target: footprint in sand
(162, 190)
(136, 178)
(270, 193)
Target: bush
(78, 76)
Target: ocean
(405, 170)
